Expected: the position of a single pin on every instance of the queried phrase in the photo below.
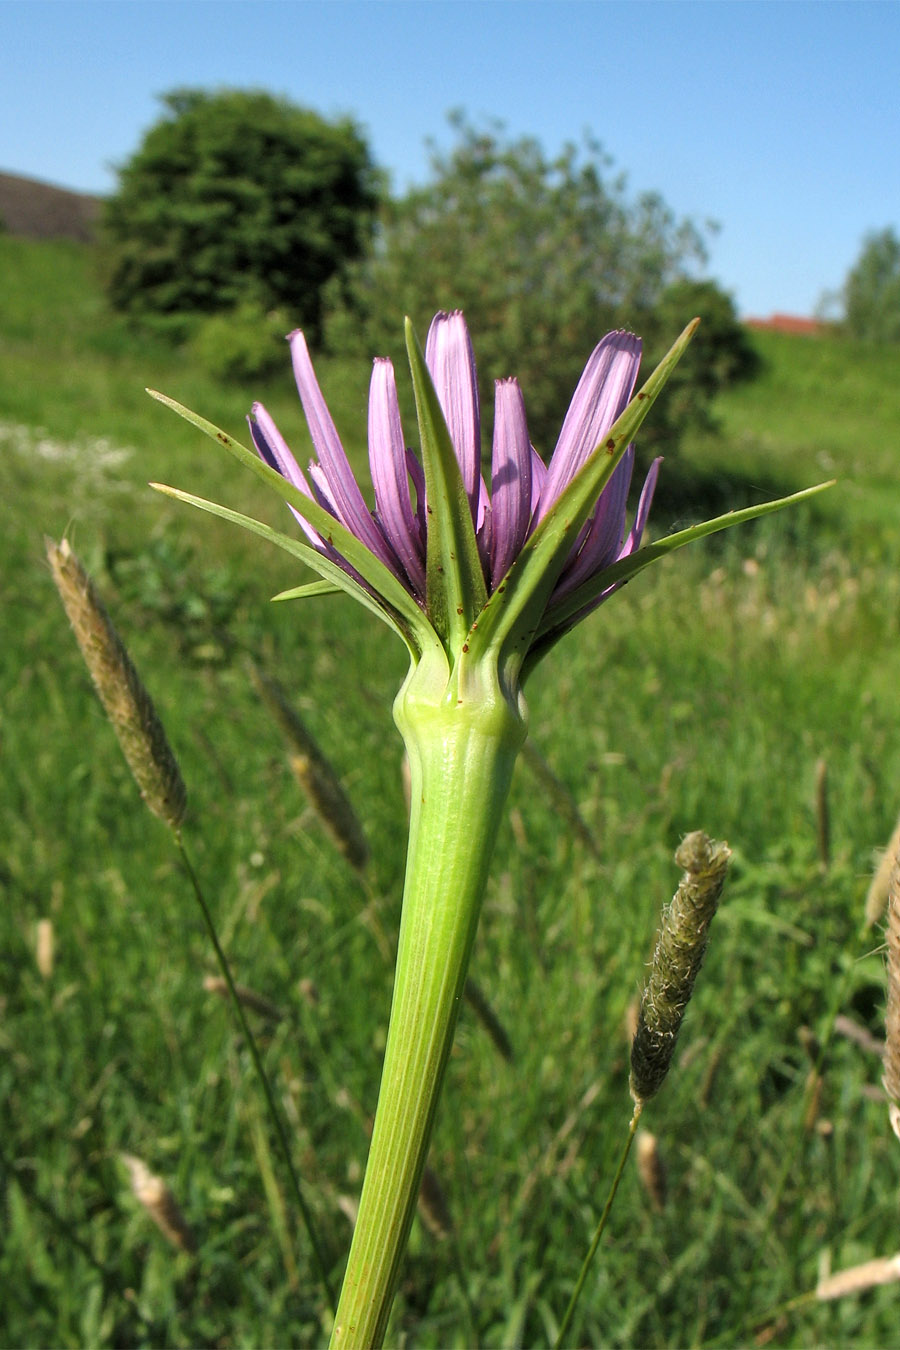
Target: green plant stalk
(462, 735)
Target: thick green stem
(462, 738)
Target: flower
(457, 571)
(523, 488)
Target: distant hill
(36, 210)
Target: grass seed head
(651, 1168)
(216, 984)
(315, 774)
(877, 895)
(159, 1202)
(434, 1211)
(856, 1279)
(44, 947)
(125, 700)
(680, 947)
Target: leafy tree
(543, 255)
(871, 292)
(237, 197)
(721, 354)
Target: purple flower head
(523, 489)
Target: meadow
(746, 687)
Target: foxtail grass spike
(159, 1202)
(125, 700)
(876, 899)
(315, 774)
(892, 1014)
(680, 947)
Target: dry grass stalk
(159, 1202)
(876, 897)
(434, 1210)
(315, 774)
(651, 1168)
(859, 1035)
(883, 1270)
(560, 797)
(477, 1001)
(215, 984)
(44, 947)
(680, 947)
(125, 700)
(891, 1059)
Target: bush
(234, 195)
(245, 344)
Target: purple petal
(605, 531)
(417, 474)
(273, 449)
(322, 488)
(602, 394)
(451, 362)
(349, 504)
(390, 476)
(538, 479)
(643, 510)
(631, 543)
(510, 477)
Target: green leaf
(455, 586)
(514, 611)
(330, 571)
(312, 588)
(565, 614)
(371, 569)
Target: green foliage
(544, 256)
(871, 292)
(245, 344)
(725, 675)
(720, 356)
(232, 196)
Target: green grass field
(704, 696)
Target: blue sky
(780, 121)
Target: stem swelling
(462, 736)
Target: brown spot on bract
(220, 436)
(610, 447)
(641, 394)
(459, 609)
(465, 646)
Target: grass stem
(250, 1039)
(598, 1232)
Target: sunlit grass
(702, 697)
